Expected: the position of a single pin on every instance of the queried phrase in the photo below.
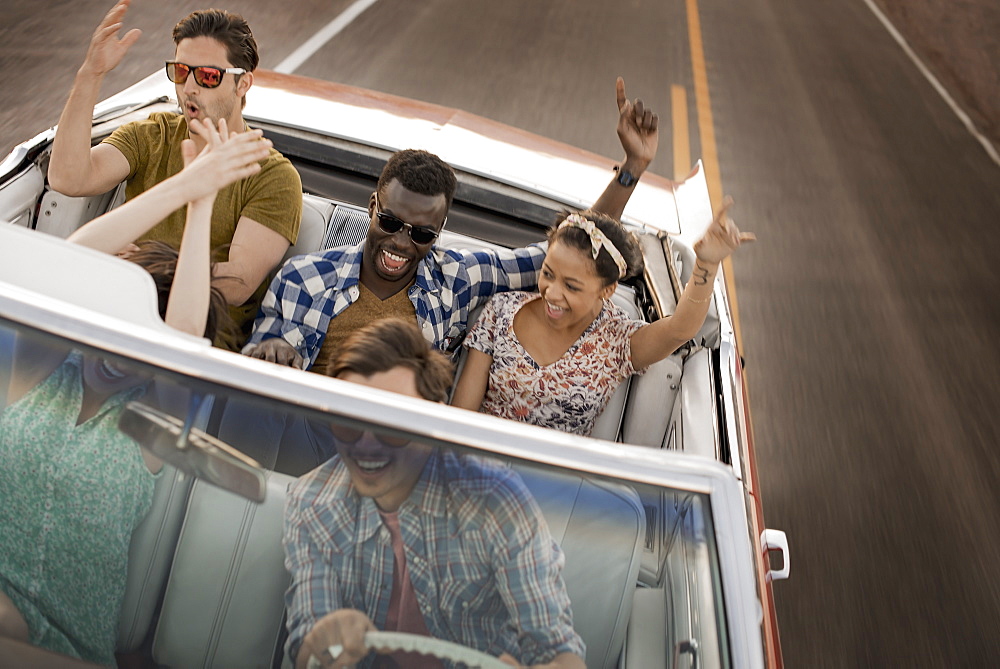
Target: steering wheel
(425, 645)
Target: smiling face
(384, 469)
(390, 260)
(107, 377)
(221, 102)
(571, 291)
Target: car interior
(206, 576)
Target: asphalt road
(868, 308)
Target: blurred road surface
(869, 306)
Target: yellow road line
(682, 141)
(709, 155)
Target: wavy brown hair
(394, 342)
(232, 30)
(160, 260)
(229, 29)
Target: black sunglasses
(390, 225)
(206, 76)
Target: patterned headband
(597, 240)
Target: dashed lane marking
(681, 137)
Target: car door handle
(775, 540)
(687, 646)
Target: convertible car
(668, 562)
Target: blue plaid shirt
(311, 289)
(485, 570)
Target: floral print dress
(70, 496)
(570, 393)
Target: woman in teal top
(73, 487)
(72, 495)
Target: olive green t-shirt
(272, 197)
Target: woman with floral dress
(555, 357)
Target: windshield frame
(176, 354)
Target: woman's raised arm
(656, 341)
(218, 165)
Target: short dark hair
(624, 240)
(160, 260)
(230, 29)
(390, 343)
(421, 172)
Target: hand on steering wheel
(425, 645)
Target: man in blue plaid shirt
(318, 299)
(397, 536)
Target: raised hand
(106, 50)
(722, 237)
(227, 157)
(637, 129)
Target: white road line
(317, 41)
(959, 112)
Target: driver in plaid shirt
(399, 536)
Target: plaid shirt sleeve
(315, 587)
(293, 305)
(492, 272)
(528, 573)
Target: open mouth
(392, 262)
(554, 311)
(370, 465)
(109, 373)
(191, 108)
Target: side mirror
(192, 451)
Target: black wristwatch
(626, 178)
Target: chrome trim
(192, 357)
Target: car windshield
(637, 560)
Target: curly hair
(421, 172)
(624, 240)
(394, 342)
(160, 260)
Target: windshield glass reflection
(477, 547)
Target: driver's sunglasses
(206, 76)
(390, 225)
(349, 435)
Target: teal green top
(70, 496)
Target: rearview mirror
(192, 451)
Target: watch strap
(625, 178)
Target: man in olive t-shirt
(270, 197)
(212, 70)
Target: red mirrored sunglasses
(206, 76)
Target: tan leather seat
(316, 213)
(600, 527)
(224, 602)
(149, 558)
